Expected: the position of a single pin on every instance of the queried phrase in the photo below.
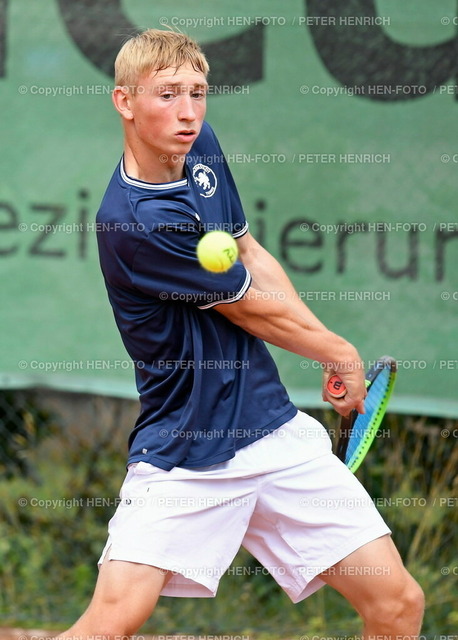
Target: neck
(152, 168)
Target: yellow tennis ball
(217, 251)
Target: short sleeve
(239, 224)
(165, 267)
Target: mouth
(186, 134)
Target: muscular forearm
(273, 311)
(278, 323)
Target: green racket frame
(355, 420)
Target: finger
(360, 408)
(344, 406)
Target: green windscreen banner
(338, 119)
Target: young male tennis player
(219, 456)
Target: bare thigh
(125, 596)
(371, 574)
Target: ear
(122, 99)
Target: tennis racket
(358, 430)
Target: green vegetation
(53, 527)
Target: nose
(186, 110)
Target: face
(166, 113)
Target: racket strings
(366, 424)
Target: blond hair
(154, 50)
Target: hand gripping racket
(358, 430)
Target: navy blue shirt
(206, 386)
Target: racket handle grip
(335, 387)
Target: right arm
(279, 323)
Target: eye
(168, 95)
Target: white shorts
(285, 498)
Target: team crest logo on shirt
(205, 179)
